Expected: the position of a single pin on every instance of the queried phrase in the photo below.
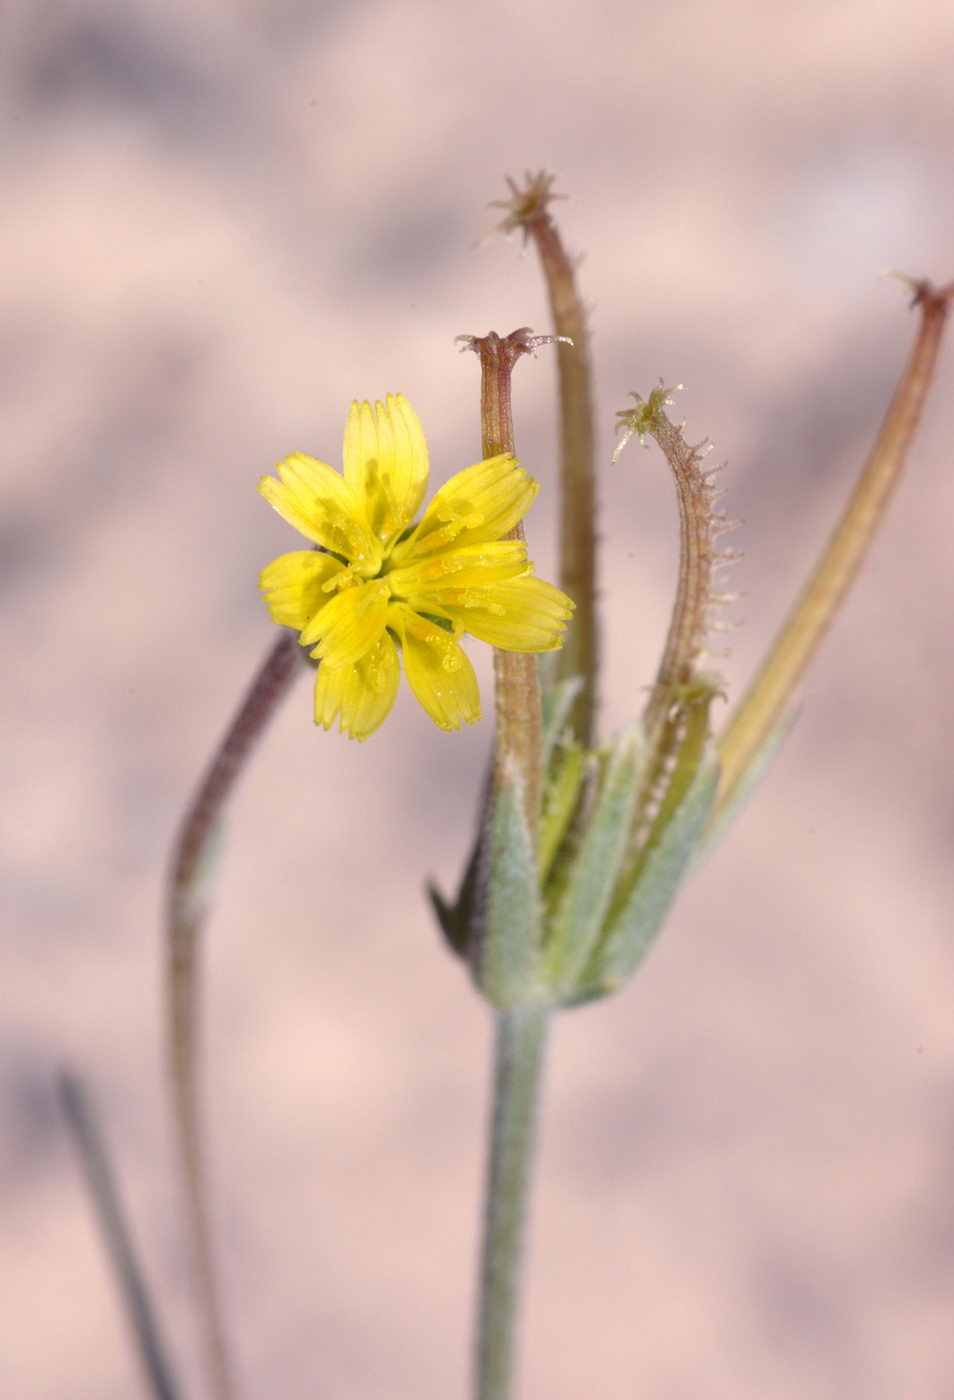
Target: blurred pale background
(221, 224)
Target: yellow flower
(378, 584)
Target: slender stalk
(762, 707)
(518, 745)
(187, 907)
(698, 525)
(530, 210)
(580, 655)
(100, 1181)
(682, 691)
(520, 1030)
(519, 1054)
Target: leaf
(657, 881)
(586, 889)
(506, 933)
(558, 701)
(561, 798)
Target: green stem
(519, 1052)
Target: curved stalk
(187, 907)
(762, 708)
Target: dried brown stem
(689, 625)
(680, 687)
(530, 210)
(517, 693)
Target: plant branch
(100, 1181)
(518, 735)
(761, 709)
(186, 911)
(529, 210)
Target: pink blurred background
(221, 224)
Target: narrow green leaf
(507, 916)
(586, 889)
(655, 886)
(558, 701)
(561, 796)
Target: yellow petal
(385, 462)
(293, 585)
(480, 503)
(359, 696)
(437, 669)
(469, 567)
(321, 504)
(350, 625)
(521, 614)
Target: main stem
(518, 1063)
(520, 1030)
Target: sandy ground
(221, 224)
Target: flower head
(378, 585)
